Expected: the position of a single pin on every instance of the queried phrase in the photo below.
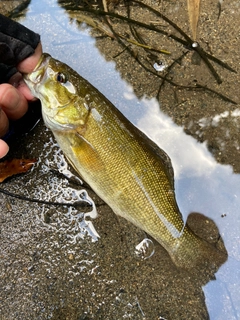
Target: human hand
(14, 96)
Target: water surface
(69, 272)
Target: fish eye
(61, 77)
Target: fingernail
(4, 148)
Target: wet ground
(58, 262)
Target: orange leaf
(193, 13)
(10, 167)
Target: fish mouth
(37, 75)
(41, 63)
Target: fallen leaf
(193, 13)
(10, 167)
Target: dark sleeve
(6, 72)
(16, 44)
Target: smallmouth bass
(121, 164)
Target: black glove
(16, 44)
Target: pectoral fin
(85, 154)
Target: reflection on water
(202, 184)
(226, 141)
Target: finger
(28, 64)
(17, 81)
(12, 101)
(3, 148)
(25, 91)
(4, 124)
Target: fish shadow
(204, 228)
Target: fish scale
(121, 164)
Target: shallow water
(62, 263)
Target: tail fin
(200, 246)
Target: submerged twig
(129, 20)
(187, 41)
(107, 30)
(119, 53)
(164, 78)
(222, 96)
(142, 45)
(190, 42)
(187, 38)
(178, 60)
(198, 86)
(51, 203)
(91, 22)
(219, 8)
(18, 10)
(202, 54)
(219, 62)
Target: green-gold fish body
(121, 164)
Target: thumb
(3, 148)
